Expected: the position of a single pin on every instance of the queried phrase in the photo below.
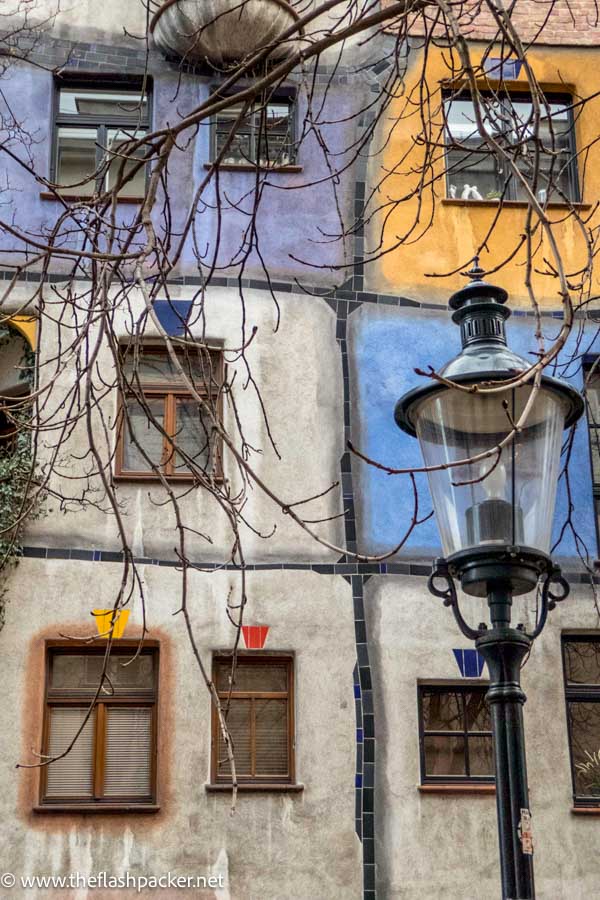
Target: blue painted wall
(386, 346)
(291, 223)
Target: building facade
(362, 738)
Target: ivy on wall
(16, 466)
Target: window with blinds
(259, 711)
(103, 754)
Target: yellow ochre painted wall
(457, 228)
(27, 326)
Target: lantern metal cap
(485, 357)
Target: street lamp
(494, 514)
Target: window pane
(255, 677)
(157, 368)
(72, 776)
(76, 159)
(239, 149)
(146, 434)
(128, 761)
(471, 169)
(444, 755)
(442, 711)
(271, 736)
(118, 141)
(80, 674)
(582, 662)
(194, 436)
(238, 724)
(481, 756)
(477, 711)
(593, 398)
(273, 126)
(554, 171)
(511, 121)
(585, 738)
(103, 104)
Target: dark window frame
(259, 659)
(582, 693)
(171, 393)
(464, 686)
(281, 96)
(71, 699)
(518, 93)
(98, 82)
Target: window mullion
(169, 427)
(252, 737)
(466, 735)
(100, 750)
(101, 138)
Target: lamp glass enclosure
(507, 498)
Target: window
(455, 733)
(93, 125)
(473, 173)
(259, 718)
(581, 658)
(163, 428)
(592, 396)
(265, 136)
(114, 758)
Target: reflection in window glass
(475, 172)
(584, 722)
(581, 658)
(456, 734)
(76, 159)
(172, 430)
(264, 136)
(91, 126)
(143, 442)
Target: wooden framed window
(581, 660)
(163, 429)
(455, 734)
(473, 173)
(94, 122)
(260, 719)
(113, 761)
(265, 136)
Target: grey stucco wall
(298, 371)
(277, 846)
(443, 845)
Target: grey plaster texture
(298, 370)
(438, 846)
(295, 846)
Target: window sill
(457, 788)
(511, 204)
(97, 808)
(271, 787)
(586, 810)
(172, 479)
(248, 167)
(82, 198)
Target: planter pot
(222, 31)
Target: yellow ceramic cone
(104, 619)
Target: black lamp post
(495, 521)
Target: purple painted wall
(291, 223)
